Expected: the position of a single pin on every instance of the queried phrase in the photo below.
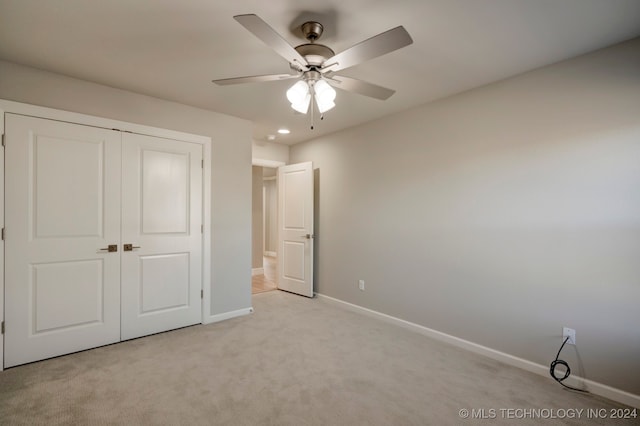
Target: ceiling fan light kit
(299, 96)
(312, 86)
(316, 64)
(325, 95)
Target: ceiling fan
(316, 64)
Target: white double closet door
(73, 191)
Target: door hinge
(2, 234)
(3, 139)
(201, 297)
(2, 327)
(202, 163)
(202, 229)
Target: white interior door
(295, 226)
(62, 288)
(161, 220)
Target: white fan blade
(253, 79)
(271, 38)
(373, 47)
(361, 87)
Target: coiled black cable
(557, 362)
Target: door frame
(2, 242)
(272, 164)
(265, 252)
(89, 120)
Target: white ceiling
(172, 49)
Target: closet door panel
(63, 208)
(162, 218)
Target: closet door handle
(129, 247)
(110, 248)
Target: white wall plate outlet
(570, 333)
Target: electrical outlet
(570, 333)
(361, 284)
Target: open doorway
(264, 229)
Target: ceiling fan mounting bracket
(312, 30)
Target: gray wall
(256, 218)
(231, 162)
(498, 215)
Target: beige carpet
(295, 361)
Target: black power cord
(555, 363)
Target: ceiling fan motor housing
(315, 54)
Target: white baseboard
(228, 315)
(593, 387)
(270, 253)
(257, 271)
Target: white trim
(206, 232)
(594, 387)
(264, 221)
(270, 254)
(267, 163)
(228, 315)
(1, 243)
(257, 271)
(106, 123)
(268, 178)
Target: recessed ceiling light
(284, 131)
(271, 137)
